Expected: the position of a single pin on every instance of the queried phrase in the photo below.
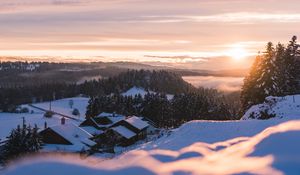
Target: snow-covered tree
(274, 73)
(291, 70)
(22, 140)
(267, 79)
(251, 94)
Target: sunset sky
(189, 33)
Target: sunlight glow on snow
(233, 156)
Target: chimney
(63, 120)
(45, 125)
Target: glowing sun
(238, 53)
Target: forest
(275, 72)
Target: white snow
(137, 91)
(240, 147)
(73, 134)
(62, 106)
(114, 118)
(105, 114)
(92, 130)
(198, 147)
(137, 122)
(282, 107)
(141, 91)
(9, 121)
(123, 131)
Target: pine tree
(266, 82)
(22, 140)
(251, 93)
(280, 66)
(291, 72)
(275, 73)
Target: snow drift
(278, 107)
(198, 147)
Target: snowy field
(9, 121)
(141, 91)
(283, 107)
(197, 147)
(62, 106)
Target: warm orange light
(237, 53)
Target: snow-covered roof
(137, 122)
(92, 130)
(74, 134)
(105, 114)
(141, 91)
(116, 119)
(113, 120)
(123, 131)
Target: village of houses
(66, 132)
(101, 133)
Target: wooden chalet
(135, 124)
(67, 136)
(128, 131)
(96, 125)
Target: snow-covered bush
(21, 141)
(76, 112)
(48, 114)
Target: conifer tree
(291, 72)
(280, 70)
(266, 82)
(22, 140)
(251, 93)
(275, 73)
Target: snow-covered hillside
(62, 106)
(136, 91)
(141, 91)
(198, 147)
(9, 121)
(278, 107)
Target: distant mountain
(27, 73)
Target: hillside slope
(278, 107)
(197, 147)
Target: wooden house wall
(51, 137)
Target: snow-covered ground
(136, 91)
(281, 107)
(197, 147)
(62, 106)
(9, 121)
(141, 91)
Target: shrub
(76, 112)
(48, 114)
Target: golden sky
(188, 33)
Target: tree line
(275, 72)
(160, 81)
(201, 104)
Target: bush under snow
(278, 107)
